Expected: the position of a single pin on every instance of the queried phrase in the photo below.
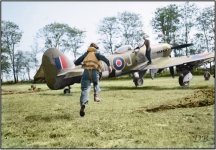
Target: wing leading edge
(165, 62)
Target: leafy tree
(11, 36)
(205, 25)
(61, 36)
(188, 12)
(166, 23)
(109, 31)
(5, 64)
(29, 62)
(75, 40)
(199, 40)
(34, 52)
(19, 64)
(53, 35)
(131, 28)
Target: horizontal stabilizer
(72, 73)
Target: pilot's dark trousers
(88, 77)
(148, 54)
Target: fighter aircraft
(59, 72)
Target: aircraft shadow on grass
(59, 94)
(116, 88)
(156, 88)
(48, 117)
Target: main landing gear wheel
(67, 90)
(184, 80)
(181, 77)
(138, 81)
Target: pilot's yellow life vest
(91, 61)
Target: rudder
(54, 62)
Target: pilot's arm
(80, 59)
(103, 58)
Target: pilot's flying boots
(96, 98)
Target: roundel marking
(118, 63)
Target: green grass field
(50, 119)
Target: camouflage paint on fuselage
(133, 58)
(55, 64)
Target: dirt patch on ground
(200, 98)
(9, 92)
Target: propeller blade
(181, 46)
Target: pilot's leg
(96, 76)
(85, 87)
(148, 55)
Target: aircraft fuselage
(123, 63)
(54, 63)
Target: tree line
(173, 24)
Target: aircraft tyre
(184, 80)
(181, 77)
(66, 91)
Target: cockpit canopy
(123, 49)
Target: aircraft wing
(78, 71)
(165, 62)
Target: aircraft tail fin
(54, 62)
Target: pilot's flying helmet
(94, 45)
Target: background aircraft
(59, 72)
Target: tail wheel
(66, 91)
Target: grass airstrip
(159, 114)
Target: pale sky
(32, 16)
